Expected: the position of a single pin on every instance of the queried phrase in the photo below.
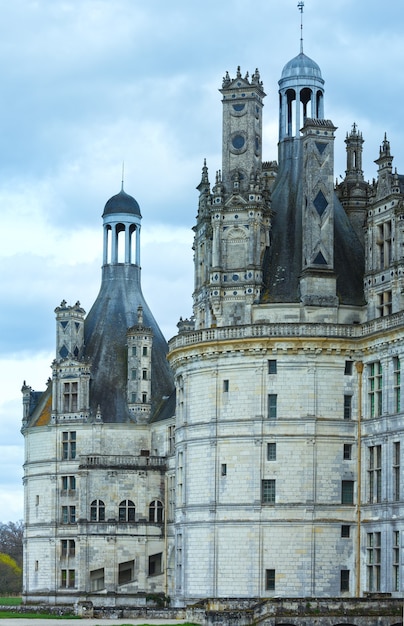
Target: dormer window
(70, 397)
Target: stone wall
(377, 611)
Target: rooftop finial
(123, 174)
(300, 6)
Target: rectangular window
(268, 491)
(144, 398)
(70, 395)
(347, 492)
(383, 243)
(345, 531)
(272, 368)
(67, 548)
(224, 469)
(225, 386)
(97, 579)
(133, 374)
(396, 471)
(180, 478)
(68, 578)
(72, 578)
(397, 384)
(347, 407)
(68, 483)
(373, 561)
(69, 445)
(178, 582)
(384, 304)
(271, 451)
(155, 564)
(348, 368)
(347, 451)
(133, 350)
(68, 514)
(375, 385)
(171, 439)
(344, 580)
(144, 374)
(272, 406)
(171, 497)
(396, 560)
(126, 572)
(144, 351)
(270, 580)
(375, 473)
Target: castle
(259, 453)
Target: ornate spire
(385, 147)
(204, 185)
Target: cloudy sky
(89, 84)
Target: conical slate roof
(112, 314)
(283, 263)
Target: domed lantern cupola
(121, 219)
(301, 92)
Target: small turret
(140, 346)
(385, 170)
(354, 148)
(242, 127)
(353, 191)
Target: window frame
(268, 491)
(344, 580)
(156, 512)
(270, 579)
(69, 445)
(271, 451)
(97, 511)
(373, 561)
(126, 511)
(347, 492)
(347, 452)
(272, 367)
(272, 406)
(347, 406)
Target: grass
(10, 601)
(12, 615)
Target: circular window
(238, 142)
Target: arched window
(127, 511)
(97, 511)
(156, 511)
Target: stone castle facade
(259, 453)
